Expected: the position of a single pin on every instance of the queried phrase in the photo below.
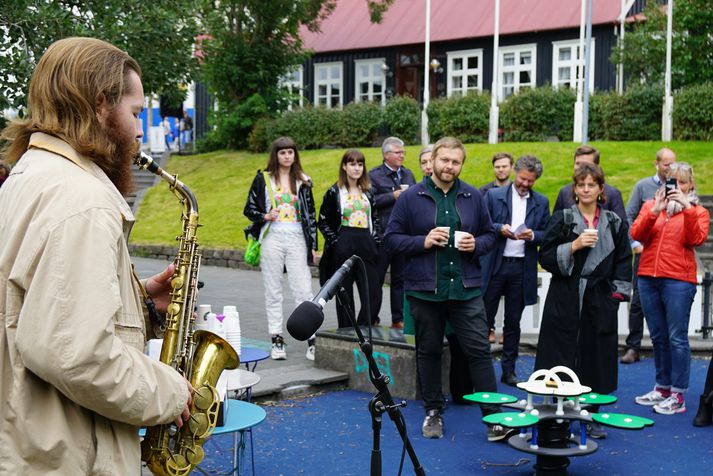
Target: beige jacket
(75, 384)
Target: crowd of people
(76, 383)
(454, 252)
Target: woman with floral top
(349, 228)
(281, 207)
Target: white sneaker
(650, 399)
(671, 406)
(278, 351)
(310, 353)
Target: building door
(409, 75)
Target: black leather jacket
(256, 208)
(330, 222)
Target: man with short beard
(75, 384)
(443, 279)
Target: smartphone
(671, 184)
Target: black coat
(330, 222)
(384, 185)
(579, 322)
(256, 208)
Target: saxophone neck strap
(157, 320)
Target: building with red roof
(356, 60)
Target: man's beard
(117, 166)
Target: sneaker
(310, 353)
(652, 398)
(672, 405)
(432, 425)
(278, 351)
(499, 432)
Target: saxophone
(199, 356)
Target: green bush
(693, 113)
(606, 116)
(360, 123)
(258, 140)
(464, 117)
(538, 114)
(232, 126)
(635, 115)
(402, 116)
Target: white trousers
(282, 249)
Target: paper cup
(457, 236)
(404, 186)
(447, 229)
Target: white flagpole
(426, 78)
(494, 110)
(666, 119)
(578, 104)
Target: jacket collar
(55, 145)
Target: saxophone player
(75, 384)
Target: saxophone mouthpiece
(146, 162)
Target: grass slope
(220, 180)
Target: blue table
(241, 417)
(252, 355)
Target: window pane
(525, 58)
(508, 59)
(507, 91)
(322, 73)
(364, 88)
(377, 86)
(472, 81)
(322, 90)
(363, 71)
(457, 82)
(565, 54)
(525, 77)
(376, 70)
(335, 72)
(508, 78)
(457, 64)
(564, 74)
(473, 62)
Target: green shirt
(449, 282)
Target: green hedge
(402, 118)
(693, 113)
(538, 114)
(465, 117)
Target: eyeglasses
(396, 152)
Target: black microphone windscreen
(305, 320)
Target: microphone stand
(382, 402)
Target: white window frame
(516, 69)
(295, 86)
(465, 72)
(572, 63)
(328, 82)
(371, 79)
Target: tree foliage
(644, 54)
(159, 34)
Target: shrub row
(539, 114)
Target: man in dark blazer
(519, 216)
(388, 181)
(565, 198)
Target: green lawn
(220, 180)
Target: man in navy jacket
(443, 280)
(520, 216)
(388, 181)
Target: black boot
(704, 417)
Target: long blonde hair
(71, 78)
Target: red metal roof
(349, 27)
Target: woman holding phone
(670, 226)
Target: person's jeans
(667, 308)
(471, 329)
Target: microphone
(309, 315)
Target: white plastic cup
(232, 327)
(202, 323)
(404, 186)
(592, 231)
(457, 236)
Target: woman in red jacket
(670, 226)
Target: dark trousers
(471, 329)
(357, 241)
(507, 282)
(636, 313)
(397, 263)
